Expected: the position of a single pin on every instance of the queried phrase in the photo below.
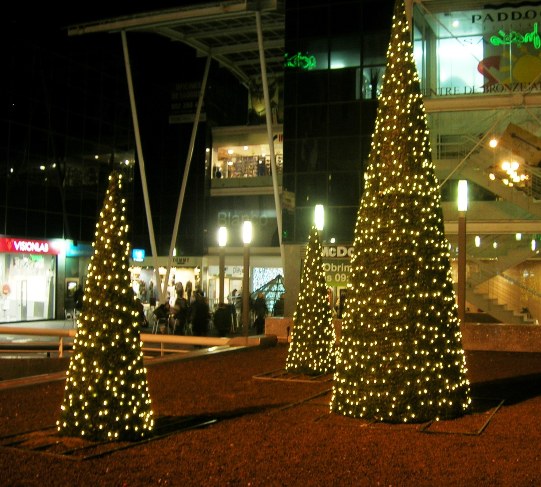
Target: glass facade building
(479, 69)
(329, 109)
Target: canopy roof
(227, 31)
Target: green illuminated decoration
(300, 61)
(515, 38)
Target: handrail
(527, 289)
(145, 338)
(60, 333)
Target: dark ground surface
(227, 421)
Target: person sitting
(222, 320)
(161, 314)
(141, 318)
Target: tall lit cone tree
(312, 349)
(106, 395)
(400, 357)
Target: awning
(225, 30)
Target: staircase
(527, 196)
(500, 311)
(488, 288)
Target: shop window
(247, 161)
(458, 58)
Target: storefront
(184, 278)
(259, 276)
(243, 152)
(491, 50)
(28, 270)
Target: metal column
(277, 203)
(141, 164)
(186, 171)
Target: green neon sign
(299, 60)
(515, 38)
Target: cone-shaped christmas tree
(400, 358)
(312, 348)
(106, 395)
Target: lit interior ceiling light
(493, 143)
(477, 241)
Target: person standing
(278, 309)
(200, 315)
(180, 315)
(222, 320)
(260, 310)
(233, 310)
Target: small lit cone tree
(313, 342)
(400, 357)
(106, 395)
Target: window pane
(458, 60)
(345, 52)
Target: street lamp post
(462, 208)
(319, 217)
(222, 242)
(247, 239)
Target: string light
(106, 394)
(312, 349)
(400, 357)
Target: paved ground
(226, 422)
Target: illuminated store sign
(138, 255)
(513, 15)
(338, 251)
(516, 38)
(336, 264)
(300, 61)
(17, 245)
